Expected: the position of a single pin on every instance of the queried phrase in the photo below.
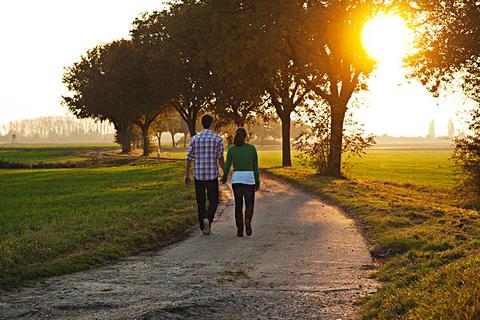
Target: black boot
(248, 221)
(239, 222)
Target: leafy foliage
(313, 143)
(467, 156)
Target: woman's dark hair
(240, 137)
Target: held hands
(224, 181)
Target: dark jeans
(243, 192)
(211, 189)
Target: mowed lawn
(49, 154)
(64, 220)
(422, 167)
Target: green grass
(64, 220)
(432, 168)
(49, 154)
(427, 244)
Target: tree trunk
(173, 139)
(184, 139)
(286, 150)
(159, 138)
(336, 140)
(123, 137)
(145, 139)
(125, 142)
(192, 127)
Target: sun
(387, 39)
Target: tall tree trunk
(192, 126)
(125, 142)
(145, 139)
(123, 137)
(286, 152)
(173, 139)
(184, 139)
(159, 138)
(336, 140)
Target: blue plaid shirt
(205, 148)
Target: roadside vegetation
(58, 221)
(426, 244)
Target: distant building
(431, 130)
(451, 128)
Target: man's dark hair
(240, 137)
(207, 121)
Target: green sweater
(244, 158)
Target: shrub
(467, 157)
(314, 145)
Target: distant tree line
(247, 61)
(57, 129)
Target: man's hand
(187, 180)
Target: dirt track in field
(305, 260)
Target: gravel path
(306, 260)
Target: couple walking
(206, 148)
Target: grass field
(48, 154)
(426, 243)
(64, 220)
(432, 168)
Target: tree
(163, 34)
(286, 94)
(167, 122)
(319, 40)
(122, 83)
(237, 101)
(94, 93)
(254, 38)
(467, 156)
(313, 142)
(335, 62)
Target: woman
(245, 179)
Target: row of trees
(55, 129)
(244, 60)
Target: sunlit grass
(49, 154)
(428, 245)
(432, 168)
(64, 220)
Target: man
(206, 148)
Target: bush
(467, 157)
(314, 145)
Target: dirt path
(306, 260)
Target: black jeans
(243, 192)
(211, 189)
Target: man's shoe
(206, 227)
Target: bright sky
(40, 38)
(394, 105)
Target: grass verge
(428, 246)
(65, 220)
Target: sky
(40, 38)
